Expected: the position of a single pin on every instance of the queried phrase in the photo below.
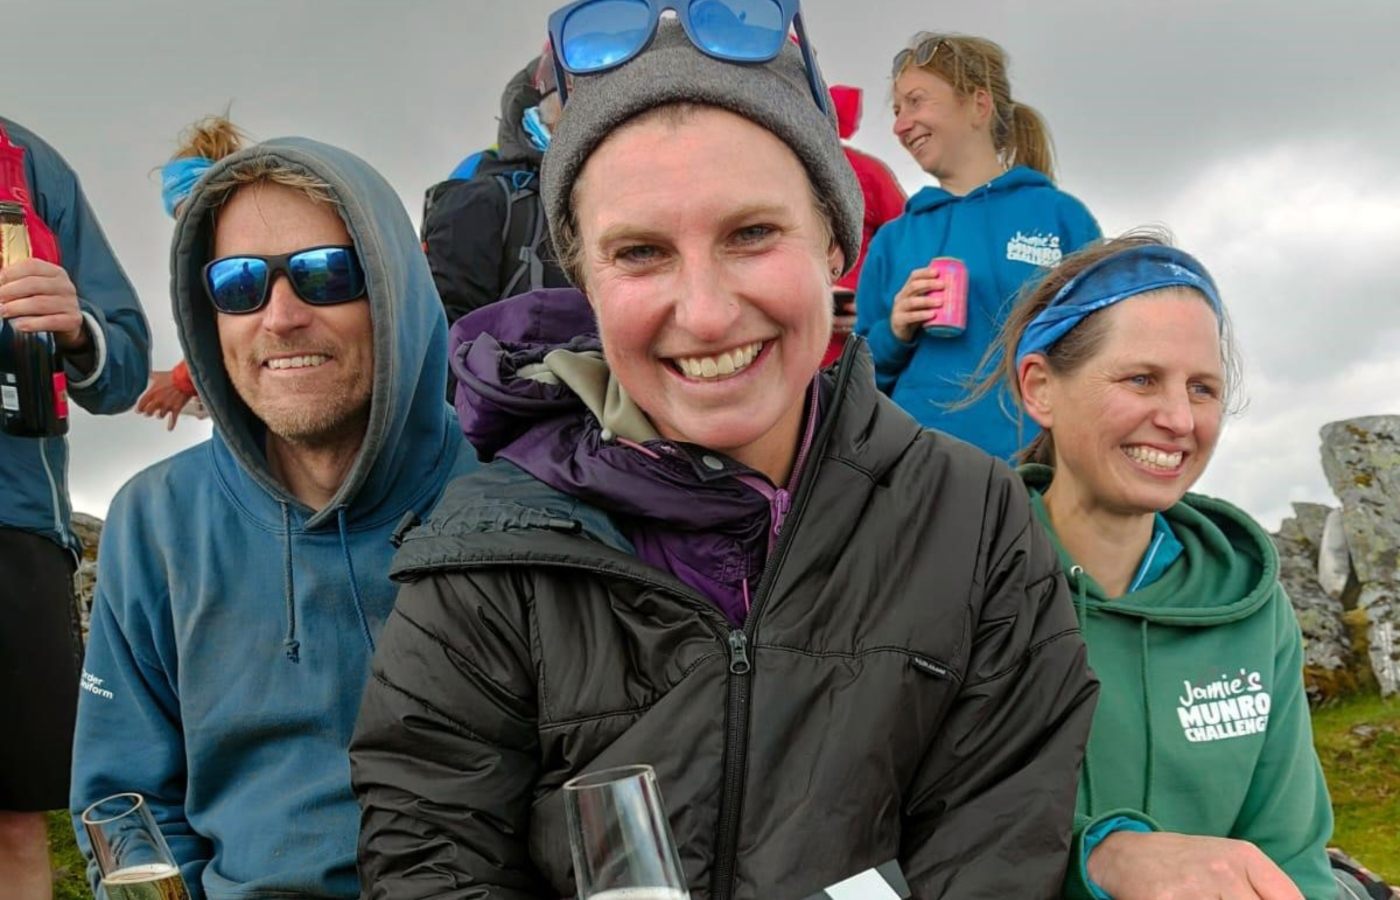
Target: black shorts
(40, 657)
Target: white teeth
(309, 361)
(1155, 458)
(707, 367)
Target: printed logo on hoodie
(1228, 707)
(1037, 248)
(93, 685)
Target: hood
(1013, 179)
(535, 390)
(1227, 570)
(847, 101)
(489, 347)
(511, 140)
(410, 429)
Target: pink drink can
(950, 319)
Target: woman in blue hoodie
(996, 209)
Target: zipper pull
(780, 505)
(739, 653)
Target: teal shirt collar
(1162, 550)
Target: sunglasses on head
(925, 47)
(591, 36)
(321, 276)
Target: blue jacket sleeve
(129, 734)
(874, 303)
(117, 325)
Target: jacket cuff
(180, 378)
(1088, 833)
(78, 379)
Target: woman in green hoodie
(1200, 778)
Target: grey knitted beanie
(671, 70)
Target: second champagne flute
(621, 843)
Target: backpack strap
(520, 252)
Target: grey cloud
(1145, 101)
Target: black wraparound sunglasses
(321, 276)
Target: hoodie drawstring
(290, 645)
(354, 586)
(1147, 714)
(1076, 575)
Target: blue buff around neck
(534, 126)
(178, 178)
(1131, 273)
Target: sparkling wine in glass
(131, 853)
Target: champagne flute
(131, 853)
(620, 840)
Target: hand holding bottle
(36, 295)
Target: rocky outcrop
(1361, 458)
(1327, 644)
(89, 530)
(1334, 559)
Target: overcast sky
(1265, 135)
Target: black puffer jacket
(910, 684)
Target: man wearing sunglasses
(243, 582)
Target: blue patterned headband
(178, 177)
(1127, 274)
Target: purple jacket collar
(694, 513)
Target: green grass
(70, 880)
(1358, 740)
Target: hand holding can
(950, 318)
(918, 300)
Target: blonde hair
(264, 169)
(216, 137)
(970, 64)
(212, 137)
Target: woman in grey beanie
(839, 639)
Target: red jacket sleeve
(180, 378)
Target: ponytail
(971, 64)
(212, 138)
(1029, 142)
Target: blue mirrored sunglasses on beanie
(591, 36)
(321, 276)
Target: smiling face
(709, 268)
(940, 129)
(1135, 425)
(305, 371)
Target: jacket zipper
(741, 667)
(737, 642)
